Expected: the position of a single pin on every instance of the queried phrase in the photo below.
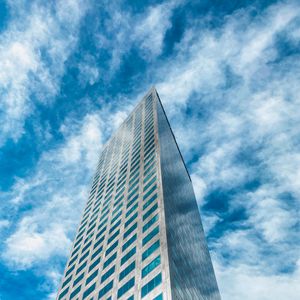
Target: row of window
(145, 271)
(105, 209)
(109, 190)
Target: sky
(228, 75)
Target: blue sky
(228, 75)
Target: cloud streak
(232, 94)
(33, 51)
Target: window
(66, 281)
(81, 267)
(109, 260)
(70, 270)
(100, 233)
(75, 251)
(111, 248)
(149, 175)
(116, 217)
(149, 183)
(134, 177)
(102, 223)
(78, 279)
(72, 260)
(113, 236)
(119, 193)
(84, 256)
(150, 201)
(150, 235)
(108, 274)
(159, 297)
(149, 162)
(63, 293)
(150, 250)
(114, 227)
(134, 166)
(130, 230)
(124, 288)
(150, 223)
(127, 271)
(89, 290)
(129, 242)
(133, 193)
(117, 209)
(75, 292)
(96, 252)
(128, 255)
(94, 264)
(105, 289)
(131, 219)
(133, 208)
(150, 168)
(150, 211)
(151, 266)
(117, 201)
(151, 285)
(88, 237)
(147, 150)
(98, 242)
(133, 185)
(86, 246)
(91, 277)
(132, 201)
(149, 192)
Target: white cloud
(56, 191)
(31, 244)
(4, 224)
(250, 107)
(151, 27)
(248, 283)
(144, 31)
(248, 130)
(33, 50)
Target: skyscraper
(140, 236)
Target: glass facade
(126, 241)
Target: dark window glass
(107, 274)
(105, 289)
(151, 285)
(91, 277)
(127, 271)
(128, 255)
(150, 211)
(128, 222)
(150, 201)
(129, 242)
(75, 292)
(81, 267)
(150, 250)
(109, 260)
(89, 290)
(78, 279)
(94, 264)
(124, 288)
(130, 230)
(150, 235)
(150, 223)
(151, 266)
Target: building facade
(140, 236)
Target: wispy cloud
(245, 91)
(232, 94)
(33, 50)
